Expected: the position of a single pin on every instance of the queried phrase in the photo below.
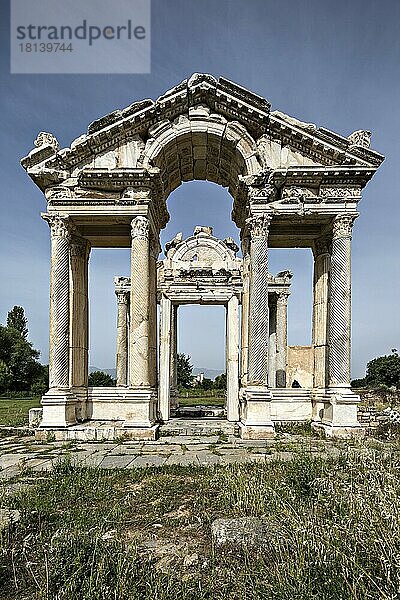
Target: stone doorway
(200, 270)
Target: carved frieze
(292, 194)
(340, 193)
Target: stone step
(205, 426)
(199, 411)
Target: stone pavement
(18, 454)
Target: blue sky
(334, 63)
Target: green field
(201, 400)
(145, 534)
(14, 411)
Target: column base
(135, 407)
(339, 414)
(255, 413)
(59, 409)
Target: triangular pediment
(211, 109)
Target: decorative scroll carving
(360, 138)
(259, 225)
(232, 245)
(172, 244)
(46, 139)
(342, 192)
(342, 226)
(286, 274)
(140, 228)
(267, 193)
(201, 229)
(140, 196)
(58, 191)
(60, 226)
(294, 195)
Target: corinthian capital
(79, 247)
(259, 226)
(122, 296)
(60, 226)
(140, 228)
(343, 225)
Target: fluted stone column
(340, 303)
(339, 415)
(155, 250)
(281, 339)
(79, 325)
(122, 337)
(244, 355)
(59, 302)
(255, 409)
(272, 344)
(232, 359)
(322, 261)
(58, 402)
(165, 356)
(174, 357)
(258, 301)
(140, 335)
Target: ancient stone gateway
(292, 184)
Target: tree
(101, 379)
(184, 371)
(16, 320)
(220, 382)
(20, 358)
(206, 384)
(384, 370)
(5, 377)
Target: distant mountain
(208, 373)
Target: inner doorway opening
(201, 344)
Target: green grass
(94, 534)
(14, 411)
(201, 400)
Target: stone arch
(201, 145)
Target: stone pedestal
(255, 413)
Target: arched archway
(293, 185)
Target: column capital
(259, 225)
(342, 226)
(60, 225)
(122, 296)
(322, 245)
(79, 247)
(282, 298)
(140, 228)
